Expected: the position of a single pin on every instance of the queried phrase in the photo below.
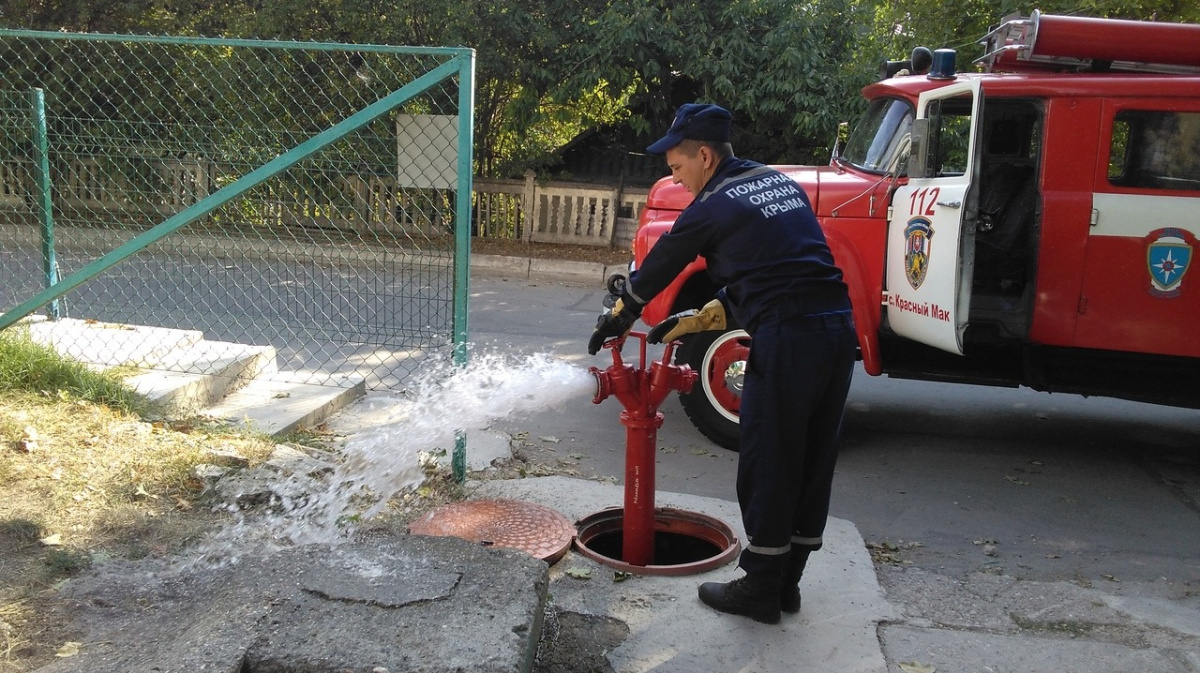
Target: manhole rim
(666, 520)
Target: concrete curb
(534, 268)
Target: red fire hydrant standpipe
(640, 391)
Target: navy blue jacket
(756, 229)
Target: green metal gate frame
(460, 63)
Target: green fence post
(462, 233)
(44, 202)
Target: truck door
(931, 235)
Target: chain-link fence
(311, 197)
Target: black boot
(755, 596)
(789, 586)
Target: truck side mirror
(843, 133)
(918, 151)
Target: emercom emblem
(1168, 257)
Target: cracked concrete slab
(412, 603)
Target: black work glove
(616, 285)
(711, 317)
(623, 312)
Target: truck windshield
(881, 132)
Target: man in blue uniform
(756, 229)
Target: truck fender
(866, 310)
(666, 303)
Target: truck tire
(713, 405)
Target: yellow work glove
(711, 317)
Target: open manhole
(685, 543)
(531, 528)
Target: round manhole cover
(534, 529)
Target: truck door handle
(950, 204)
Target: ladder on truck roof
(1043, 42)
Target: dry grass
(81, 482)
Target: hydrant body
(640, 391)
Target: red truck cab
(1032, 225)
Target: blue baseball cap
(694, 121)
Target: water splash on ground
(316, 502)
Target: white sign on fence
(428, 151)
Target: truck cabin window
(881, 134)
(1156, 150)
(950, 135)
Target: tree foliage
(548, 69)
(956, 24)
(782, 67)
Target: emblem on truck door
(917, 237)
(1167, 258)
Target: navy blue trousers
(797, 379)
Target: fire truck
(1031, 224)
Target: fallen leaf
(669, 449)
(579, 573)
(54, 540)
(577, 456)
(1053, 556)
(551, 439)
(1016, 481)
(621, 576)
(699, 452)
(183, 505)
(914, 667)
(280, 396)
(141, 490)
(1111, 578)
(68, 649)
(29, 440)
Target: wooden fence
(525, 210)
(557, 212)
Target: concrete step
(188, 375)
(277, 405)
(111, 344)
(202, 374)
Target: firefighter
(756, 229)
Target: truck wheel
(720, 360)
